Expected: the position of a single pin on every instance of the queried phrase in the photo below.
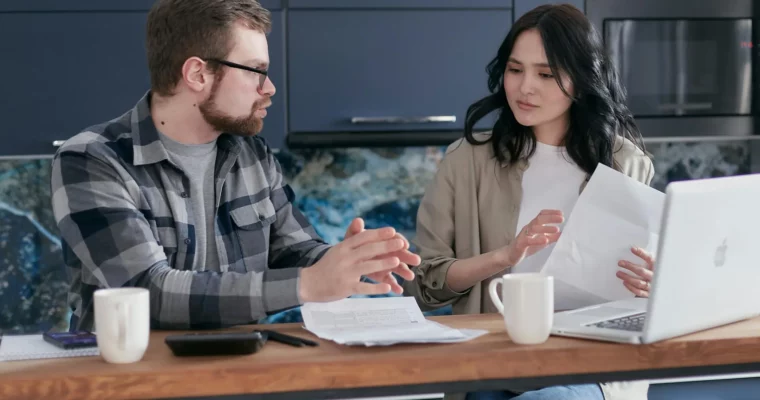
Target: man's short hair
(180, 29)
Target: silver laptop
(707, 270)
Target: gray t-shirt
(197, 162)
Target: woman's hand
(639, 281)
(534, 236)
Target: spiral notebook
(34, 347)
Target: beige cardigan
(472, 208)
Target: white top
(551, 181)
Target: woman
(497, 198)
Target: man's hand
(371, 253)
(405, 257)
(640, 281)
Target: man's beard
(242, 126)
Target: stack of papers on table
(34, 347)
(378, 322)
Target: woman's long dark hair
(598, 113)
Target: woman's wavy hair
(598, 113)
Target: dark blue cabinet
(523, 6)
(396, 4)
(389, 66)
(64, 70)
(75, 5)
(338, 65)
(275, 127)
(69, 66)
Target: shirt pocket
(252, 229)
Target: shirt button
(188, 241)
(184, 195)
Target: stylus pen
(291, 340)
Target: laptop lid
(707, 271)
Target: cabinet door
(275, 123)
(523, 6)
(73, 68)
(66, 70)
(386, 4)
(389, 69)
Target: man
(179, 196)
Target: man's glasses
(262, 74)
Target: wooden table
(333, 371)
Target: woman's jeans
(573, 392)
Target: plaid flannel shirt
(125, 217)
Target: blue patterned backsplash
(384, 186)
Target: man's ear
(195, 74)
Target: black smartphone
(215, 343)
(71, 340)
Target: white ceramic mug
(528, 306)
(122, 323)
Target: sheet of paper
(613, 213)
(378, 322)
(569, 297)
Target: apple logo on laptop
(720, 254)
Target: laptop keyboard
(634, 323)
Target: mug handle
(123, 314)
(494, 296)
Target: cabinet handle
(685, 106)
(58, 143)
(404, 120)
(701, 139)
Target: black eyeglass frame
(262, 74)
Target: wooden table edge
(239, 378)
